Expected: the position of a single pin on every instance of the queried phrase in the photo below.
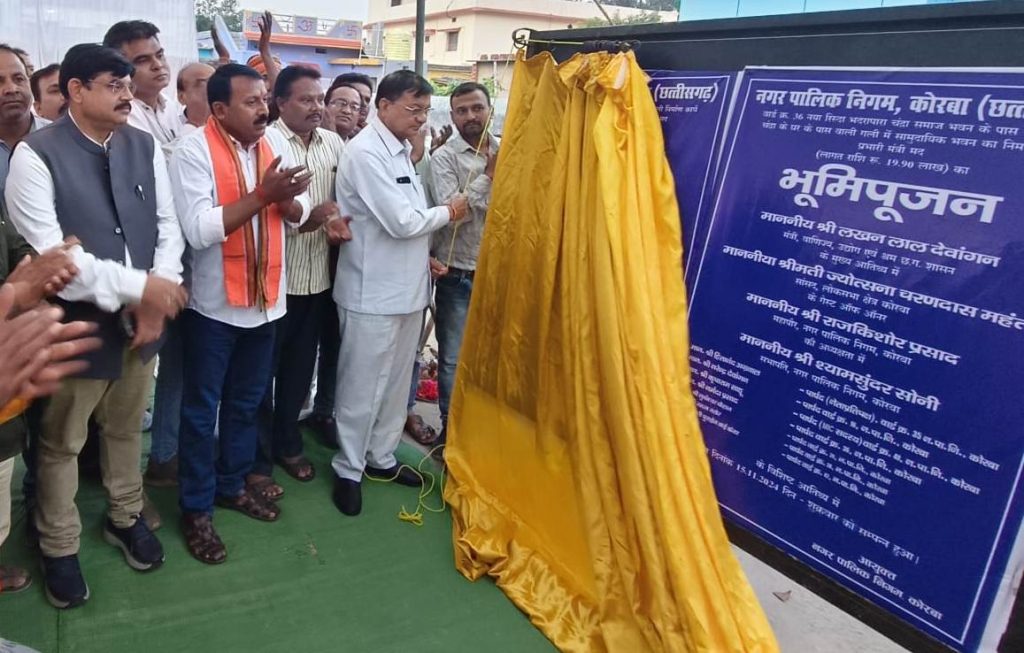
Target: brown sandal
(419, 430)
(264, 487)
(14, 580)
(252, 505)
(202, 540)
(298, 468)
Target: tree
(618, 19)
(206, 10)
(650, 5)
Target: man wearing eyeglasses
(344, 107)
(92, 176)
(382, 286)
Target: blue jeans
(451, 300)
(167, 397)
(229, 367)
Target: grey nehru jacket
(107, 199)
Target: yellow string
(416, 517)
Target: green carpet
(312, 581)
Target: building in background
(472, 39)
(328, 45)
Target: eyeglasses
(117, 86)
(342, 105)
(417, 111)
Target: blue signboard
(857, 330)
(693, 107)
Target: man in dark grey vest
(91, 176)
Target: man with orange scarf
(237, 188)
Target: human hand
(460, 207)
(149, 325)
(437, 139)
(71, 340)
(30, 360)
(283, 185)
(162, 297)
(320, 216)
(419, 145)
(338, 230)
(266, 25)
(492, 163)
(437, 268)
(43, 276)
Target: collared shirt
(105, 283)
(384, 269)
(454, 164)
(161, 122)
(308, 253)
(202, 220)
(5, 152)
(184, 126)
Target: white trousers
(6, 473)
(371, 401)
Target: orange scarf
(12, 409)
(252, 271)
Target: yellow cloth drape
(578, 475)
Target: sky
(703, 9)
(692, 9)
(344, 9)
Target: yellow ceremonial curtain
(578, 475)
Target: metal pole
(421, 28)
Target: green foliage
(226, 9)
(618, 19)
(444, 87)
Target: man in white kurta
(382, 286)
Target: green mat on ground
(312, 581)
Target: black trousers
(294, 358)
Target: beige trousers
(6, 472)
(118, 407)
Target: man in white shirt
(237, 189)
(137, 40)
(382, 286)
(16, 119)
(162, 467)
(195, 110)
(91, 176)
(300, 103)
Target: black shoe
(400, 474)
(347, 496)
(142, 551)
(324, 428)
(65, 587)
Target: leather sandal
(419, 430)
(264, 487)
(298, 468)
(202, 540)
(14, 580)
(252, 505)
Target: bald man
(192, 96)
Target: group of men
(247, 253)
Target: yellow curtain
(578, 475)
